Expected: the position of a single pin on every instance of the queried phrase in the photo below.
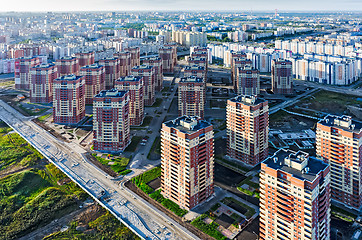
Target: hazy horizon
(164, 5)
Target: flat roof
(71, 77)
(129, 78)
(182, 123)
(247, 100)
(313, 165)
(195, 67)
(44, 65)
(343, 122)
(94, 65)
(191, 79)
(113, 93)
(143, 66)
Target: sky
(158, 5)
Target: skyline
(163, 5)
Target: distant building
(41, 84)
(166, 54)
(247, 127)
(191, 97)
(294, 197)
(85, 58)
(22, 71)
(135, 56)
(339, 143)
(124, 63)
(282, 76)
(234, 68)
(134, 86)
(67, 66)
(238, 63)
(68, 99)
(111, 130)
(248, 81)
(174, 52)
(94, 81)
(112, 70)
(187, 161)
(148, 74)
(156, 62)
(188, 39)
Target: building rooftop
(45, 65)
(195, 67)
(191, 79)
(343, 122)
(113, 93)
(71, 77)
(92, 66)
(143, 66)
(247, 100)
(152, 58)
(129, 78)
(187, 124)
(67, 58)
(299, 164)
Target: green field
(134, 143)
(104, 227)
(15, 151)
(118, 164)
(33, 198)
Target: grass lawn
(7, 83)
(209, 229)
(156, 147)
(342, 214)
(44, 117)
(118, 164)
(104, 227)
(33, 198)
(166, 89)
(134, 143)
(15, 151)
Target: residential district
(181, 125)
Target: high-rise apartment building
(112, 70)
(200, 61)
(94, 76)
(68, 99)
(235, 55)
(67, 66)
(248, 81)
(124, 63)
(339, 143)
(282, 76)
(187, 161)
(191, 97)
(85, 59)
(41, 83)
(22, 71)
(174, 52)
(247, 126)
(156, 62)
(166, 54)
(111, 130)
(134, 86)
(135, 56)
(236, 64)
(195, 70)
(294, 197)
(148, 74)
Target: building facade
(135, 56)
(156, 62)
(85, 59)
(339, 143)
(148, 74)
(94, 81)
(282, 76)
(22, 71)
(191, 97)
(195, 70)
(247, 127)
(294, 197)
(67, 66)
(112, 70)
(248, 81)
(166, 54)
(187, 161)
(124, 63)
(41, 83)
(111, 130)
(68, 99)
(134, 86)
